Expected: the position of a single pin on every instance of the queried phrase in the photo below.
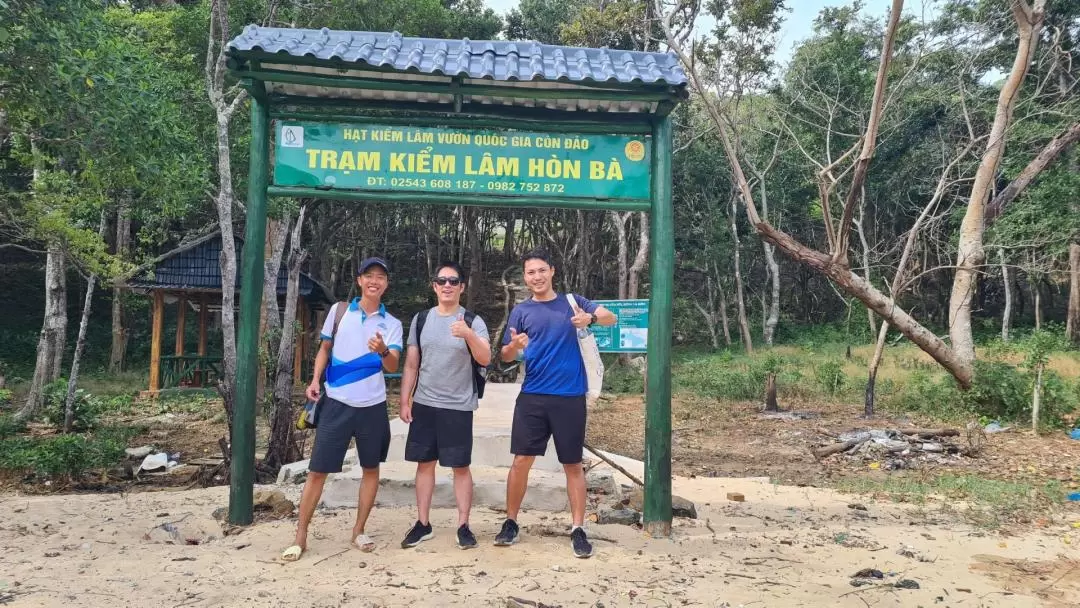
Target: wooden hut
(189, 279)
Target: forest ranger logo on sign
(292, 137)
(635, 150)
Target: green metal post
(657, 516)
(247, 342)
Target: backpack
(479, 371)
(309, 414)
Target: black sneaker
(417, 535)
(465, 537)
(582, 546)
(508, 535)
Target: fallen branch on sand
(618, 468)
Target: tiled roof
(498, 60)
(197, 267)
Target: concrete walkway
(491, 461)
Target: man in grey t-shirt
(438, 397)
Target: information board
(369, 156)
(630, 334)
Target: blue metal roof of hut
(283, 53)
(195, 267)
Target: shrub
(5, 397)
(87, 407)
(1000, 392)
(68, 456)
(830, 377)
(10, 427)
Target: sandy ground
(783, 546)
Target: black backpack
(479, 371)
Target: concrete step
(397, 488)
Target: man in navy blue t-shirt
(552, 399)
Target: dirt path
(783, 546)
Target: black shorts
(338, 423)
(440, 433)
(537, 418)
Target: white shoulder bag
(590, 354)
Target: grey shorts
(338, 423)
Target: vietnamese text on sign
(424, 159)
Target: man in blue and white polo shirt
(367, 342)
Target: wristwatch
(592, 318)
(385, 353)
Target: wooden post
(242, 463)
(201, 348)
(300, 340)
(657, 512)
(204, 306)
(155, 341)
(181, 317)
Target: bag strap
(339, 313)
(574, 307)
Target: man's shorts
(440, 433)
(537, 418)
(338, 423)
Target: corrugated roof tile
(490, 59)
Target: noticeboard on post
(630, 334)
(508, 163)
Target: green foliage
(1000, 391)
(87, 407)
(830, 377)
(622, 379)
(5, 397)
(10, 427)
(64, 456)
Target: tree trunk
(970, 254)
(770, 393)
(281, 449)
(1006, 317)
(119, 331)
(641, 258)
(1036, 399)
(744, 322)
(1036, 293)
(50, 349)
(1072, 324)
(80, 343)
(872, 370)
(508, 240)
(723, 306)
(476, 267)
(773, 318)
(618, 221)
(225, 198)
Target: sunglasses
(453, 281)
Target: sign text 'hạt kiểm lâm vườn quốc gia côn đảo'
(369, 156)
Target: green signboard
(362, 156)
(630, 333)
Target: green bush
(1000, 392)
(10, 427)
(830, 377)
(69, 456)
(87, 407)
(622, 378)
(5, 397)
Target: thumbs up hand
(460, 329)
(376, 344)
(518, 340)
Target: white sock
(573, 527)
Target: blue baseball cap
(369, 262)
